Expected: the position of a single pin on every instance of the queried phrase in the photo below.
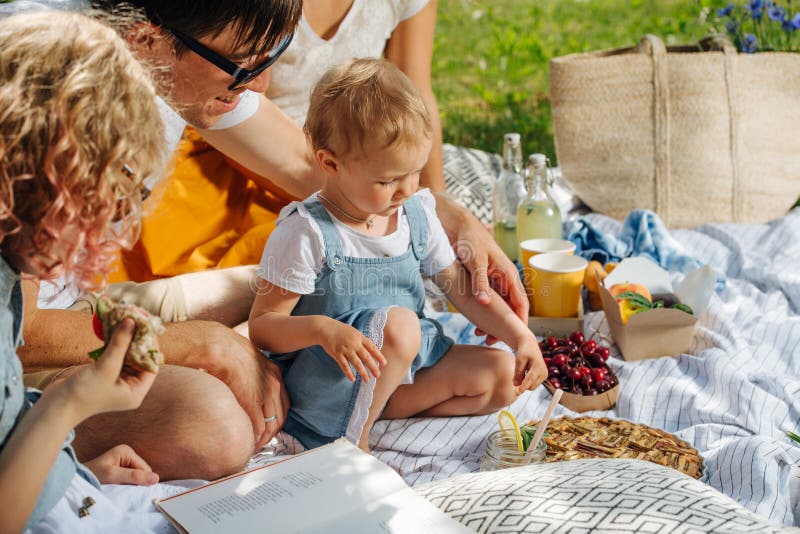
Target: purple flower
(725, 11)
(750, 43)
(777, 13)
(732, 26)
(796, 21)
(756, 9)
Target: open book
(334, 488)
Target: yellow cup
(556, 281)
(530, 248)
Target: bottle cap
(538, 160)
(512, 138)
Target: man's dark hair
(258, 24)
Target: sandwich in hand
(143, 353)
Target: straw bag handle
(654, 47)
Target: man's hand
(121, 465)
(489, 267)
(255, 381)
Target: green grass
(490, 68)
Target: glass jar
(502, 452)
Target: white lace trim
(355, 427)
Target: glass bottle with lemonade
(509, 190)
(538, 215)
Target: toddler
(340, 300)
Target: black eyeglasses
(241, 76)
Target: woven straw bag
(696, 136)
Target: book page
(337, 486)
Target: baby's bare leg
(468, 380)
(401, 341)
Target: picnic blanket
(732, 396)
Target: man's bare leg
(189, 426)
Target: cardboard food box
(661, 331)
(557, 326)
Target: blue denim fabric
(355, 291)
(15, 401)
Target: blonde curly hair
(79, 130)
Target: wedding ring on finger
(270, 419)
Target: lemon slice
(508, 425)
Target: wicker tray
(600, 437)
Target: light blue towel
(642, 233)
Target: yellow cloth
(208, 214)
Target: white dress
(363, 32)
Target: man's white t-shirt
(295, 252)
(59, 294)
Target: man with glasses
(216, 56)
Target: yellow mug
(530, 248)
(556, 281)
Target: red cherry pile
(577, 365)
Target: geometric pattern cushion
(597, 495)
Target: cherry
(603, 352)
(587, 382)
(577, 337)
(559, 360)
(585, 371)
(576, 389)
(598, 374)
(553, 371)
(574, 374)
(551, 342)
(588, 347)
(555, 382)
(590, 392)
(602, 385)
(547, 361)
(595, 360)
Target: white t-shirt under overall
(295, 252)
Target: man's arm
(271, 145)
(411, 48)
(62, 338)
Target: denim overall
(15, 401)
(324, 404)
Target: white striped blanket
(732, 396)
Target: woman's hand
(529, 369)
(104, 386)
(346, 344)
(121, 465)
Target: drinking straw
(543, 423)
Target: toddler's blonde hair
(79, 130)
(365, 101)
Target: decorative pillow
(590, 495)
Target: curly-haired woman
(77, 127)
